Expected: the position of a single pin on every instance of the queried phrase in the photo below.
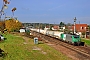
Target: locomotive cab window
(76, 36)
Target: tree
(43, 26)
(13, 10)
(51, 27)
(2, 25)
(83, 33)
(12, 25)
(69, 24)
(61, 24)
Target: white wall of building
(22, 30)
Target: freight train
(69, 38)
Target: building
(81, 29)
(62, 28)
(47, 28)
(22, 30)
(55, 27)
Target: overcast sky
(50, 11)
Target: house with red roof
(79, 28)
(46, 28)
(55, 27)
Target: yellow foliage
(2, 26)
(12, 25)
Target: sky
(50, 11)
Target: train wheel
(75, 44)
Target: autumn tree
(13, 25)
(2, 25)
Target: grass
(16, 50)
(87, 42)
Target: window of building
(82, 28)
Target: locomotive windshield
(76, 36)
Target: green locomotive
(73, 39)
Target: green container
(28, 32)
(63, 37)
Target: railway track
(72, 48)
(84, 51)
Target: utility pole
(39, 27)
(89, 31)
(74, 25)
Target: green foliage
(87, 41)
(89, 27)
(43, 26)
(83, 33)
(67, 31)
(51, 27)
(61, 24)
